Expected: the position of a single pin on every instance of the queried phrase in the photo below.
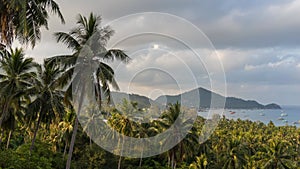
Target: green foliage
(36, 90)
(246, 144)
(23, 20)
(89, 157)
(41, 157)
(234, 144)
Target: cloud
(256, 41)
(164, 68)
(265, 93)
(229, 24)
(274, 25)
(279, 72)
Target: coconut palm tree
(48, 104)
(103, 76)
(16, 116)
(277, 154)
(144, 130)
(92, 121)
(66, 128)
(15, 81)
(23, 19)
(185, 147)
(200, 163)
(76, 40)
(122, 123)
(234, 154)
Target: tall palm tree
(122, 123)
(91, 119)
(48, 104)
(15, 81)
(66, 128)
(103, 76)
(16, 116)
(185, 147)
(144, 130)
(23, 19)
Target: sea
(288, 115)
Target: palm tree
(234, 154)
(91, 119)
(144, 130)
(15, 81)
(66, 128)
(49, 99)
(200, 163)
(122, 123)
(23, 19)
(185, 147)
(103, 76)
(16, 115)
(278, 154)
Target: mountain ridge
(199, 97)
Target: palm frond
(117, 54)
(53, 6)
(67, 39)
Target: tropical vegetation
(39, 123)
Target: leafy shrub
(40, 158)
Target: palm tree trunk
(119, 163)
(172, 160)
(68, 165)
(169, 160)
(2, 134)
(34, 135)
(3, 112)
(8, 140)
(98, 91)
(121, 153)
(2, 118)
(91, 141)
(65, 149)
(141, 159)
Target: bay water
(288, 115)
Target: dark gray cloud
(231, 23)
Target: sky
(255, 44)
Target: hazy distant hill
(143, 102)
(198, 97)
(202, 98)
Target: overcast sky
(258, 43)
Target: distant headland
(199, 98)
